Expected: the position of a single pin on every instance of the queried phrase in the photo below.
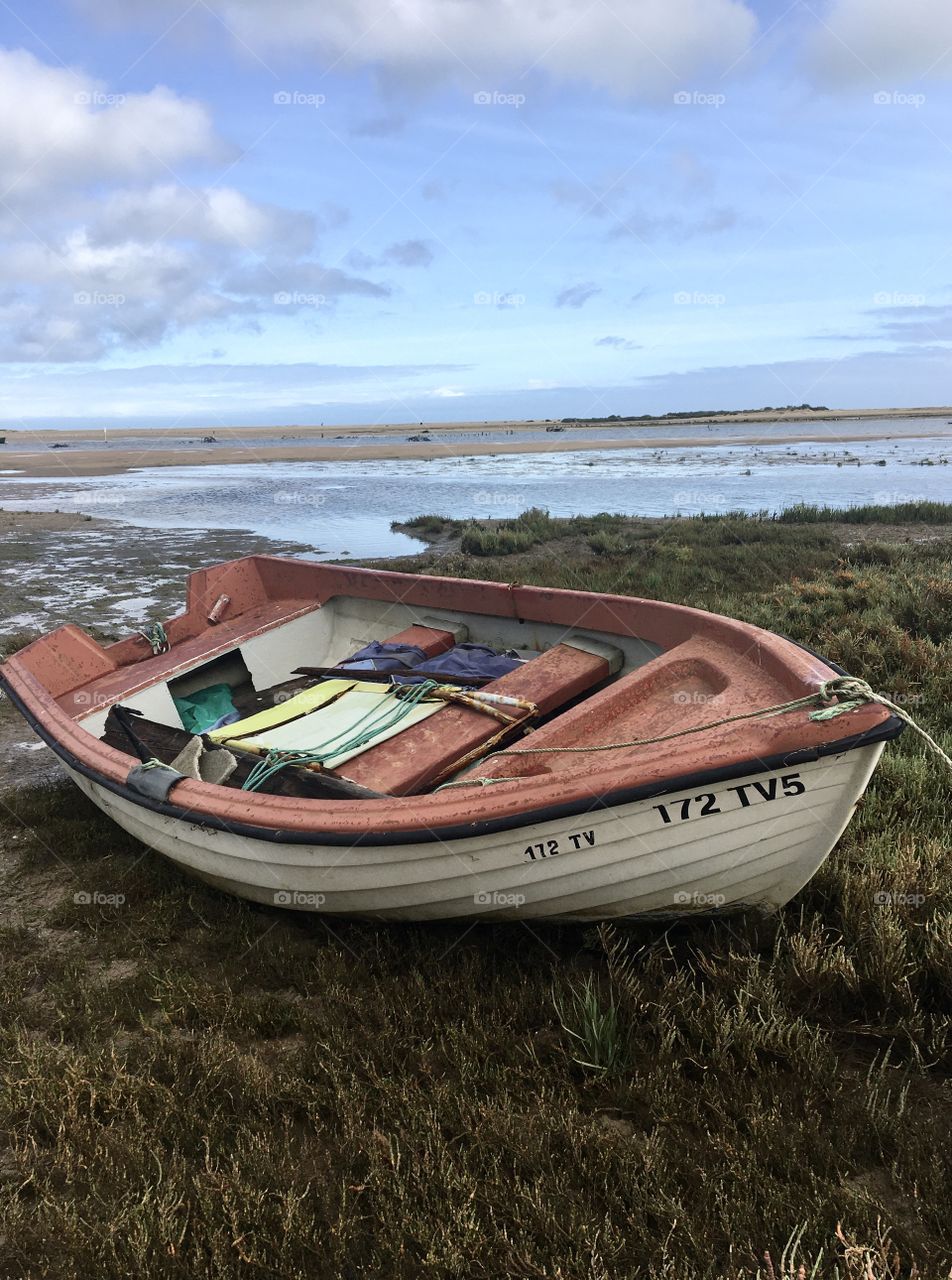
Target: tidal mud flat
(106, 577)
(71, 455)
(353, 508)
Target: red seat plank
(410, 762)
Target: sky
(341, 211)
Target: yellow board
(303, 702)
(308, 725)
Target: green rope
(155, 636)
(854, 692)
(396, 705)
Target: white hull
(755, 846)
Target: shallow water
(346, 508)
(673, 429)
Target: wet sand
(29, 454)
(43, 436)
(108, 578)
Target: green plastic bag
(205, 707)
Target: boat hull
(749, 842)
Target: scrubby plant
(194, 1085)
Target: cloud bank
(108, 244)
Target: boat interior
(368, 711)
(293, 678)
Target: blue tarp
(465, 661)
(378, 656)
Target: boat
(310, 735)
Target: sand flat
(77, 462)
(30, 453)
(46, 435)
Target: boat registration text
(739, 797)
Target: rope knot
(155, 637)
(844, 693)
(847, 687)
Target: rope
(854, 692)
(154, 635)
(857, 692)
(387, 716)
(395, 706)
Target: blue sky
(237, 212)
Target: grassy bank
(609, 534)
(192, 1086)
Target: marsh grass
(868, 513)
(595, 1027)
(428, 524)
(609, 535)
(194, 1086)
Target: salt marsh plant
(194, 1085)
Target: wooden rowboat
(625, 766)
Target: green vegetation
(194, 1086)
(600, 1040)
(609, 535)
(509, 536)
(688, 414)
(425, 525)
(871, 513)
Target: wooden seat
(416, 759)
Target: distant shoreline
(46, 435)
(30, 454)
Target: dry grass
(193, 1086)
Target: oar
(350, 673)
(123, 717)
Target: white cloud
(208, 392)
(631, 47)
(76, 299)
(882, 40)
(63, 128)
(216, 215)
(99, 255)
(79, 298)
